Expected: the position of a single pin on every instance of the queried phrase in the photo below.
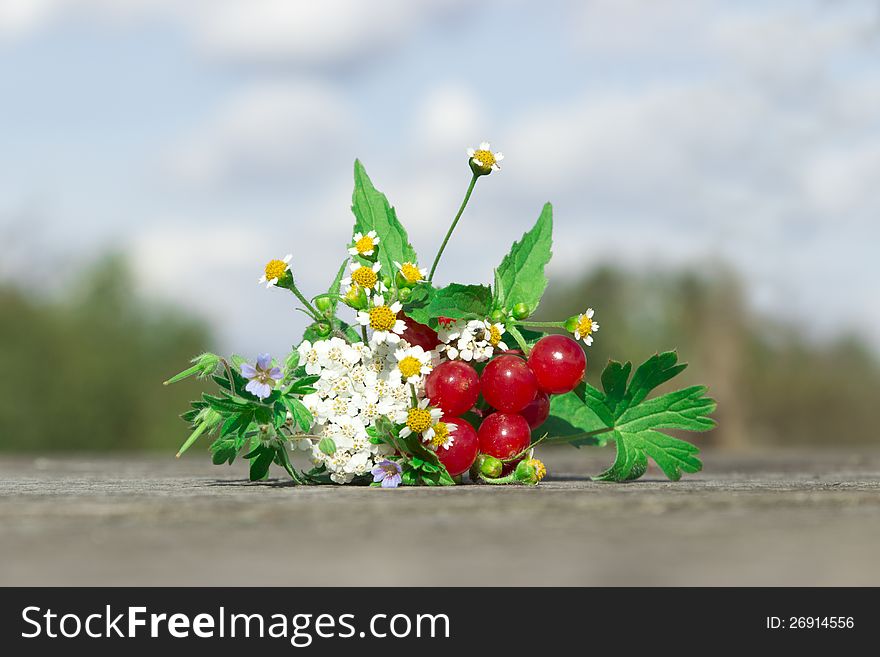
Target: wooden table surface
(777, 518)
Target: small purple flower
(261, 378)
(388, 472)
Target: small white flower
(585, 327)
(411, 272)
(310, 357)
(364, 245)
(475, 340)
(383, 321)
(484, 159)
(365, 277)
(274, 270)
(413, 363)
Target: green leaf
(520, 276)
(574, 422)
(224, 450)
(634, 422)
(333, 292)
(261, 458)
(416, 307)
(302, 416)
(373, 212)
(460, 302)
(637, 423)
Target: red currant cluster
(515, 399)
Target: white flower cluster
(358, 384)
(475, 340)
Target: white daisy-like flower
(365, 277)
(274, 270)
(411, 272)
(364, 245)
(585, 327)
(484, 159)
(421, 420)
(443, 438)
(413, 363)
(383, 321)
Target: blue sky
(203, 138)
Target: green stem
(364, 333)
(299, 295)
(540, 324)
(464, 203)
(520, 340)
(509, 479)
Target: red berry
(508, 384)
(558, 362)
(503, 435)
(462, 453)
(419, 334)
(453, 386)
(537, 412)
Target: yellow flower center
(494, 335)
(410, 272)
(275, 269)
(365, 244)
(485, 158)
(418, 419)
(441, 435)
(382, 318)
(365, 277)
(409, 366)
(540, 468)
(585, 325)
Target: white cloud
(271, 130)
(298, 31)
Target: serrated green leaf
(335, 286)
(672, 455)
(460, 302)
(416, 307)
(373, 212)
(573, 422)
(634, 422)
(520, 276)
(261, 458)
(658, 369)
(302, 416)
(224, 450)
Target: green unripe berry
(404, 294)
(521, 311)
(323, 329)
(386, 280)
(498, 316)
(489, 466)
(525, 472)
(324, 304)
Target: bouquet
(397, 381)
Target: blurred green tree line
(83, 370)
(774, 385)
